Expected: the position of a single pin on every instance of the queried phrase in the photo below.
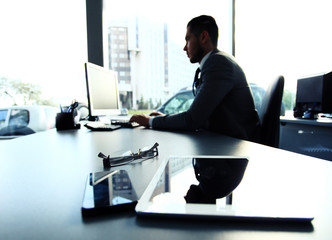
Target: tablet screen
(196, 180)
(108, 191)
(206, 186)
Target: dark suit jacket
(223, 103)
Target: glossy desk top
(42, 181)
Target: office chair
(270, 113)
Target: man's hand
(141, 119)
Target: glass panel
(43, 50)
(145, 46)
(282, 37)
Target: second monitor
(313, 96)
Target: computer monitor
(102, 91)
(313, 96)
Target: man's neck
(206, 56)
(207, 51)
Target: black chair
(270, 113)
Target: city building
(150, 67)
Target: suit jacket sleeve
(217, 80)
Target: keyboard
(124, 123)
(99, 126)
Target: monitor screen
(102, 89)
(313, 96)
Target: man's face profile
(193, 47)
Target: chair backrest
(270, 113)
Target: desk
(42, 180)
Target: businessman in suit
(223, 101)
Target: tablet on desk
(208, 187)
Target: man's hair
(204, 23)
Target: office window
(289, 38)
(39, 47)
(152, 35)
(43, 49)
(282, 37)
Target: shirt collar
(204, 60)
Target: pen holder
(67, 120)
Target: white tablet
(209, 187)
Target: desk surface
(42, 180)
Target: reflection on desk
(211, 178)
(217, 178)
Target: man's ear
(204, 37)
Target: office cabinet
(309, 137)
